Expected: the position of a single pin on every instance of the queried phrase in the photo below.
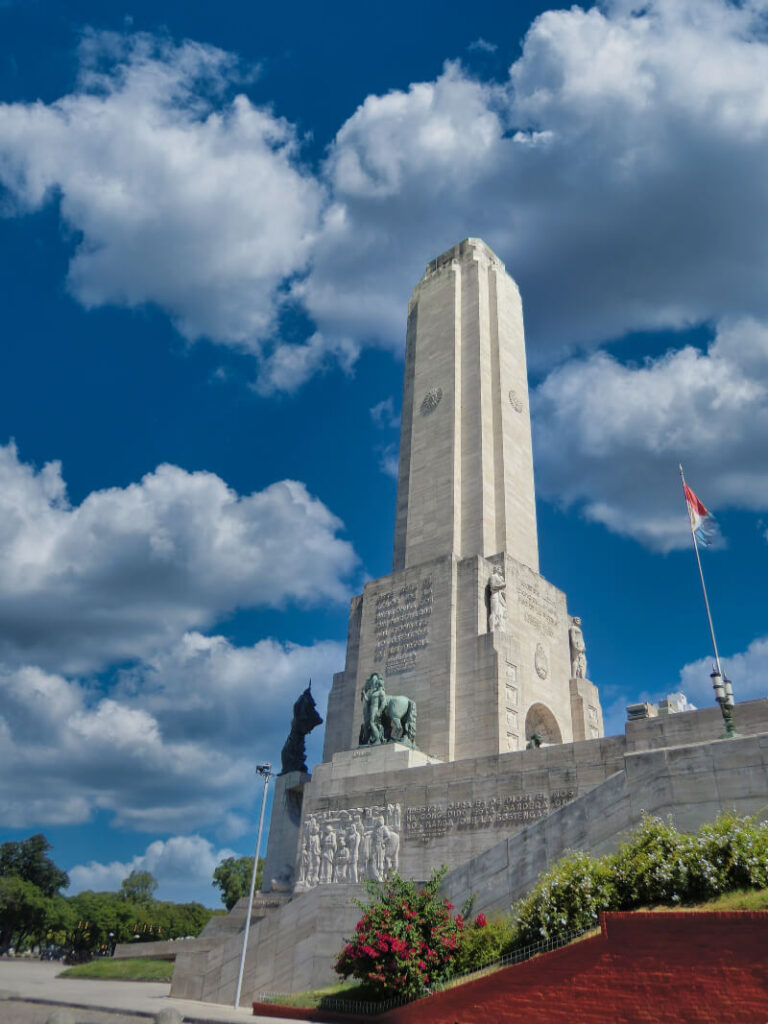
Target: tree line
(33, 911)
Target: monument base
(280, 862)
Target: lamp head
(717, 683)
(264, 769)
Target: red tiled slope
(675, 968)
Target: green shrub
(568, 898)
(484, 941)
(733, 853)
(656, 865)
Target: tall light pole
(265, 770)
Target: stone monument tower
(465, 625)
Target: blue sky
(211, 219)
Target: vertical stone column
(465, 481)
(280, 861)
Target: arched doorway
(541, 720)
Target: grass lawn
(310, 1000)
(107, 968)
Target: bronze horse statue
(386, 719)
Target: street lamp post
(724, 697)
(265, 770)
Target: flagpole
(701, 577)
(722, 685)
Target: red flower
(481, 921)
(448, 905)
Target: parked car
(52, 953)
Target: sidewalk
(134, 1001)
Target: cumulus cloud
(129, 569)
(182, 197)
(383, 414)
(748, 670)
(179, 864)
(171, 747)
(609, 436)
(617, 172)
(289, 366)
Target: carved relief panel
(349, 845)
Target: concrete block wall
(290, 950)
(692, 784)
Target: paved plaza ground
(128, 1002)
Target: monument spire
(465, 481)
(465, 627)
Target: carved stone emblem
(349, 845)
(431, 400)
(541, 662)
(515, 401)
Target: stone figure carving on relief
(386, 719)
(578, 650)
(497, 594)
(349, 845)
(305, 719)
(328, 846)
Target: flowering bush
(406, 940)
(568, 898)
(657, 865)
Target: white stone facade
(465, 625)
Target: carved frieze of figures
(578, 650)
(497, 592)
(349, 845)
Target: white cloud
(618, 171)
(288, 367)
(748, 670)
(483, 46)
(130, 569)
(178, 864)
(183, 198)
(173, 745)
(609, 437)
(383, 414)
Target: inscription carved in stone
(431, 400)
(538, 608)
(349, 845)
(429, 821)
(402, 626)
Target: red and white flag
(702, 520)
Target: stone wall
(497, 822)
(692, 784)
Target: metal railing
(367, 1008)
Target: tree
(23, 911)
(27, 860)
(233, 878)
(139, 887)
